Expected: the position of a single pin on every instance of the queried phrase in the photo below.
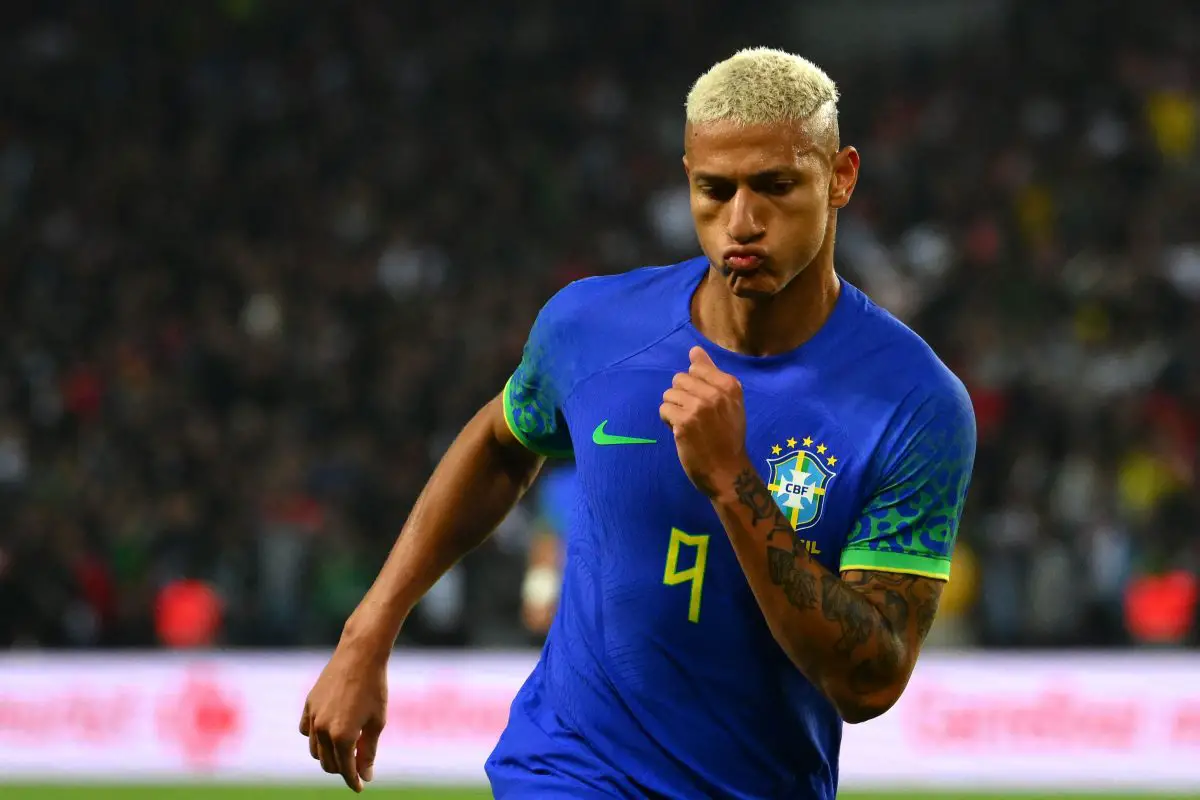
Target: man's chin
(755, 284)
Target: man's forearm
(475, 485)
(843, 642)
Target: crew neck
(823, 339)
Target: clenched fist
(705, 411)
(345, 714)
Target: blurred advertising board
(984, 720)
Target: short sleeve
(910, 523)
(534, 395)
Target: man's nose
(745, 225)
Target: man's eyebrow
(761, 175)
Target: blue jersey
(556, 497)
(659, 677)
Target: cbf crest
(800, 477)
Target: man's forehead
(750, 147)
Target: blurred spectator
(557, 493)
(1161, 609)
(187, 615)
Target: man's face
(762, 197)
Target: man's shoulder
(618, 311)
(595, 322)
(647, 291)
(920, 411)
(898, 361)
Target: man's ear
(843, 176)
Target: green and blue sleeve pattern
(910, 524)
(534, 394)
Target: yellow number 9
(673, 576)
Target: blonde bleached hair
(761, 86)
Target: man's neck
(769, 325)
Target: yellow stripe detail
(799, 468)
(508, 416)
(941, 576)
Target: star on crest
(806, 443)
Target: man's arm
(491, 463)
(855, 637)
(345, 712)
(487, 463)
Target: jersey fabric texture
(659, 677)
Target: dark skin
(777, 188)
(346, 710)
(855, 637)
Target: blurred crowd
(260, 261)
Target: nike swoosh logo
(602, 438)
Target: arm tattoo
(857, 619)
(798, 586)
(754, 496)
(880, 616)
(926, 611)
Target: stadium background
(260, 260)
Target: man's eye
(715, 192)
(781, 187)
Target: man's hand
(706, 414)
(345, 713)
(537, 617)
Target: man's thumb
(699, 355)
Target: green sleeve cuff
(888, 561)
(529, 444)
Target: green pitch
(204, 792)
